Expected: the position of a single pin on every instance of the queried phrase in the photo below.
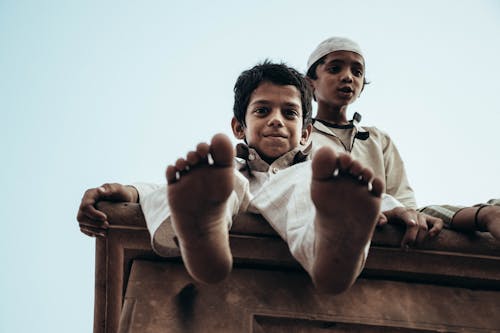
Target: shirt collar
(248, 158)
(325, 127)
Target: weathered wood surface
(455, 276)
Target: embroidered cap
(330, 45)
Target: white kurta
(280, 192)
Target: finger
(93, 231)
(91, 225)
(88, 233)
(94, 224)
(436, 224)
(409, 217)
(90, 213)
(114, 192)
(401, 214)
(422, 229)
(410, 236)
(382, 220)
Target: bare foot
(347, 208)
(198, 188)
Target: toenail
(251, 157)
(275, 170)
(336, 172)
(210, 159)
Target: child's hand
(381, 220)
(94, 222)
(418, 225)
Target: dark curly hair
(276, 73)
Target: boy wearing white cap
(336, 71)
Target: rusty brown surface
(452, 264)
(166, 299)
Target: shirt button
(251, 157)
(275, 170)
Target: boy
(336, 71)
(325, 209)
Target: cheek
(251, 137)
(297, 134)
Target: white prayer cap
(330, 45)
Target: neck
(334, 115)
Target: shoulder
(378, 134)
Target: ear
(306, 133)
(312, 85)
(238, 129)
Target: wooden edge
(129, 215)
(100, 305)
(128, 239)
(114, 256)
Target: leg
(198, 189)
(347, 208)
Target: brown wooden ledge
(451, 260)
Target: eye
(333, 69)
(291, 113)
(261, 111)
(357, 72)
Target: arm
(483, 217)
(397, 184)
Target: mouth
(347, 90)
(275, 135)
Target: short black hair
(276, 73)
(311, 72)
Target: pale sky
(113, 91)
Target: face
(273, 121)
(340, 79)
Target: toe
(324, 163)
(377, 186)
(222, 150)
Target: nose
(275, 119)
(347, 76)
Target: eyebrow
(266, 102)
(333, 61)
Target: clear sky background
(113, 91)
